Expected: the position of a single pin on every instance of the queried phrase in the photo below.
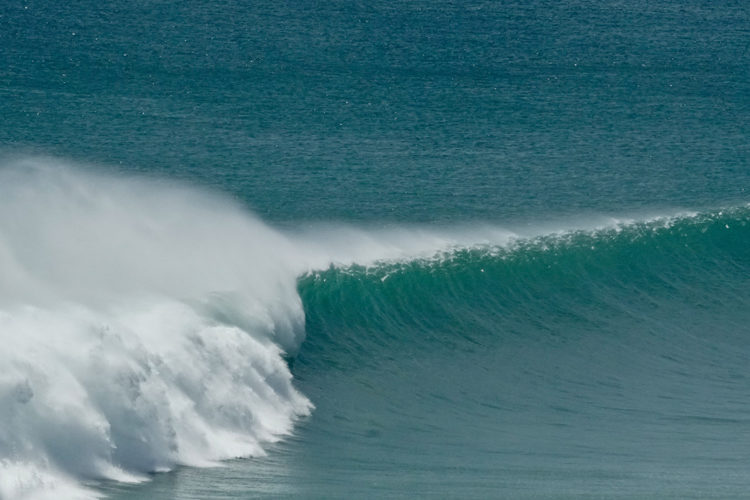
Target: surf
(144, 325)
(147, 324)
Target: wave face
(143, 326)
(147, 325)
(655, 266)
(604, 361)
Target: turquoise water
(383, 249)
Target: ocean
(374, 249)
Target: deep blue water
(426, 111)
(602, 352)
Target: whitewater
(147, 324)
(143, 326)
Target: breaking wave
(143, 326)
(146, 325)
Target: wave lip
(345, 247)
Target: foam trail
(142, 325)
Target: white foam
(142, 326)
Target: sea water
(374, 249)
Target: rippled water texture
(411, 248)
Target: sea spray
(143, 326)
